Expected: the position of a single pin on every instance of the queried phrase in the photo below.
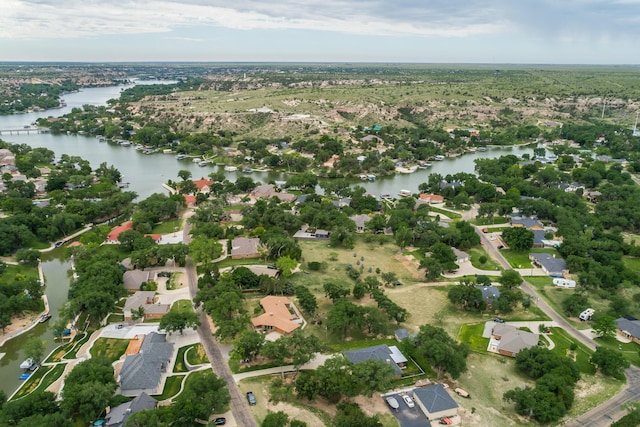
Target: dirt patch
(297, 413)
(411, 264)
(371, 405)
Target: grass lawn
(171, 387)
(77, 344)
(447, 213)
(180, 366)
(521, 259)
(490, 264)
(167, 227)
(490, 221)
(581, 354)
(12, 270)
(111, 348)
(471, 335)
(632, 263)
(182, 305)
(196, 355)
(32, 382)
(629, 350)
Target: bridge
(23, 130)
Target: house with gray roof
(435, 402)
(461, 256)
(133, 279)
(382, 352)
(526, 222)
(401, 334)
(550, 264)
(629, 327)
(509, 340)
(118, 416)
(360, 221)
(143, 371)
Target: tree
(88, 388)
(610, 362)
(248, 344)
(286, 265)
(34, 349)
(203, 395)
(466, 295)
(306, 299)
(518, 238)
(33, 404)
(350, 415)
(275, 419)
(439, 349)
(335, 291)
(178, 321)
(303, 348)
(604, 325)
(510, 279)
(389, 278)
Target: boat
(371, 177)
(393, 402)
(168, 151)
(481, 149)
(363, 177)
(181, 156)
(196, 160)
(24, 377)
(247, 170)
(139, 147)
(45, 317)
(404, 193)
(27, 364)
(230, 168)
(439, 157)
(385, 196)
(203, 163)
(425, 165)
(125, 143)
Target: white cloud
(597, 19)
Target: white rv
(564, 283)
(587, 314)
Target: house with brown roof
(245, 247)
(360, 221)
(279, 316)
(203, 185)
(133, 279)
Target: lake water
(145, 174)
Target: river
(145, 174)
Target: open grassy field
(490, 264)
(167, 227)
(471, 334)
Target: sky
(418, 31)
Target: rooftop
(382, 352)
(435, 398)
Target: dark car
(251, 398)
(219, 421)
(498, 320)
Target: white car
(408, 400)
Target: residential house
(629, 328)
(112, 237)
(203, 185)
(435, 402)
(526, 222)
(490, 294)
(267, 191)
(461, 256)
(509, 341)
(118, 416)
(147, 300)
(142, 372)
(190, 200)
(550, 264)
(431, 199)
(388, 354)
(322, 234)
(133, 279)
(279, 315)
(245, 247)
(360, 221)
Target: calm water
(146, 173)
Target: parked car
(219, 421)
(408, 400)
(251, 398)
(498, 320)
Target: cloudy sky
(487, 31)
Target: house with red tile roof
(203, 185)
(279, 315)
(112, 237)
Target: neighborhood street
(607, 412)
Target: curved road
(607, 412)
(239, 405)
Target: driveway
(408, 417)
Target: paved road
(607, 412)
(239, 405)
